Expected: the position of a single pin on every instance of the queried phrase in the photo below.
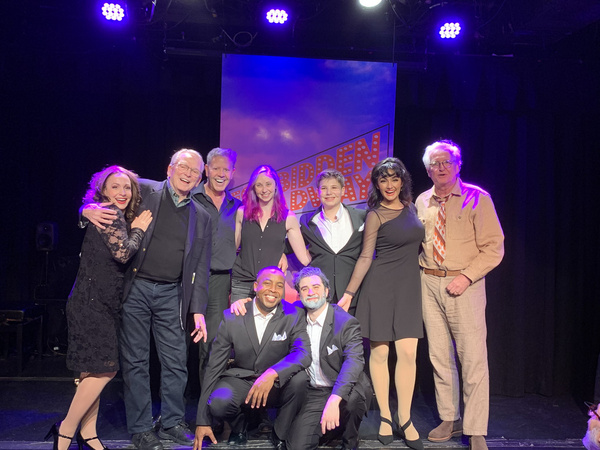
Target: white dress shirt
(314, 330)
(261, 321)
(336, 233)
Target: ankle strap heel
(83, 443)
(55, 434)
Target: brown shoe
(477, 443)
(445, 431)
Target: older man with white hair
(165, 289)
(463, 242)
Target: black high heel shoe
(386, 439)
(415, 444)
(55, 434)
(83, 443)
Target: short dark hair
(270, 268)
(309, 271)
(330, 173)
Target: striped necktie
(439, 234)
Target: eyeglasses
(437, 165)
(592, 408)
(185, 168)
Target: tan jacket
(474, 237)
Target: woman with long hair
(94, 302)
(262, 224)
(389, 309)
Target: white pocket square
(279, 337)
(331, 349)
(361, 228)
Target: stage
(32, 402)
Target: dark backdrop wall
(529, 131)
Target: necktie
(439, 234)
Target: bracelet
(350, 293)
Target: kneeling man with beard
(340, 392)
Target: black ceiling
(396, 30)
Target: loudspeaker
(46, 236)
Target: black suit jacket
(196, 260)
(337, 267)
(341, 353)
(285, 348)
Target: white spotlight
(369, 3)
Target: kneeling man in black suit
(340, 392)
(271, 350)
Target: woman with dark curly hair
(389, 309)
(95, 300)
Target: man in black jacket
(334, 235)
(165, 292)
(340, 392)
(271, 351)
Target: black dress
(259, 248)
(95, 300)
(389, 307)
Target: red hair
(252, 209)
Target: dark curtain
(529, 132)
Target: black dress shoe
(237, 438)
(277, 443)
(146, 441)
(180, 433)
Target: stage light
(369, 3)
(113, 11)
(450, 30)
(278, 16)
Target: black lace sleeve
(375, 219)
(121, 246)
(372, 224)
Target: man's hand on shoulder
(259, 392)
(202, 432)
(98, 214)
(238, 307)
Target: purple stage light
(113, 11)
(277, 16)
(450, 30)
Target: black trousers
(219, 285)
(227, 402)
(306, 428)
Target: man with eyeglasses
(463, 242)
(165, 290)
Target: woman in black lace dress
(94, 302)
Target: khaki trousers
(456, 327)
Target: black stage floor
(32, 402)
